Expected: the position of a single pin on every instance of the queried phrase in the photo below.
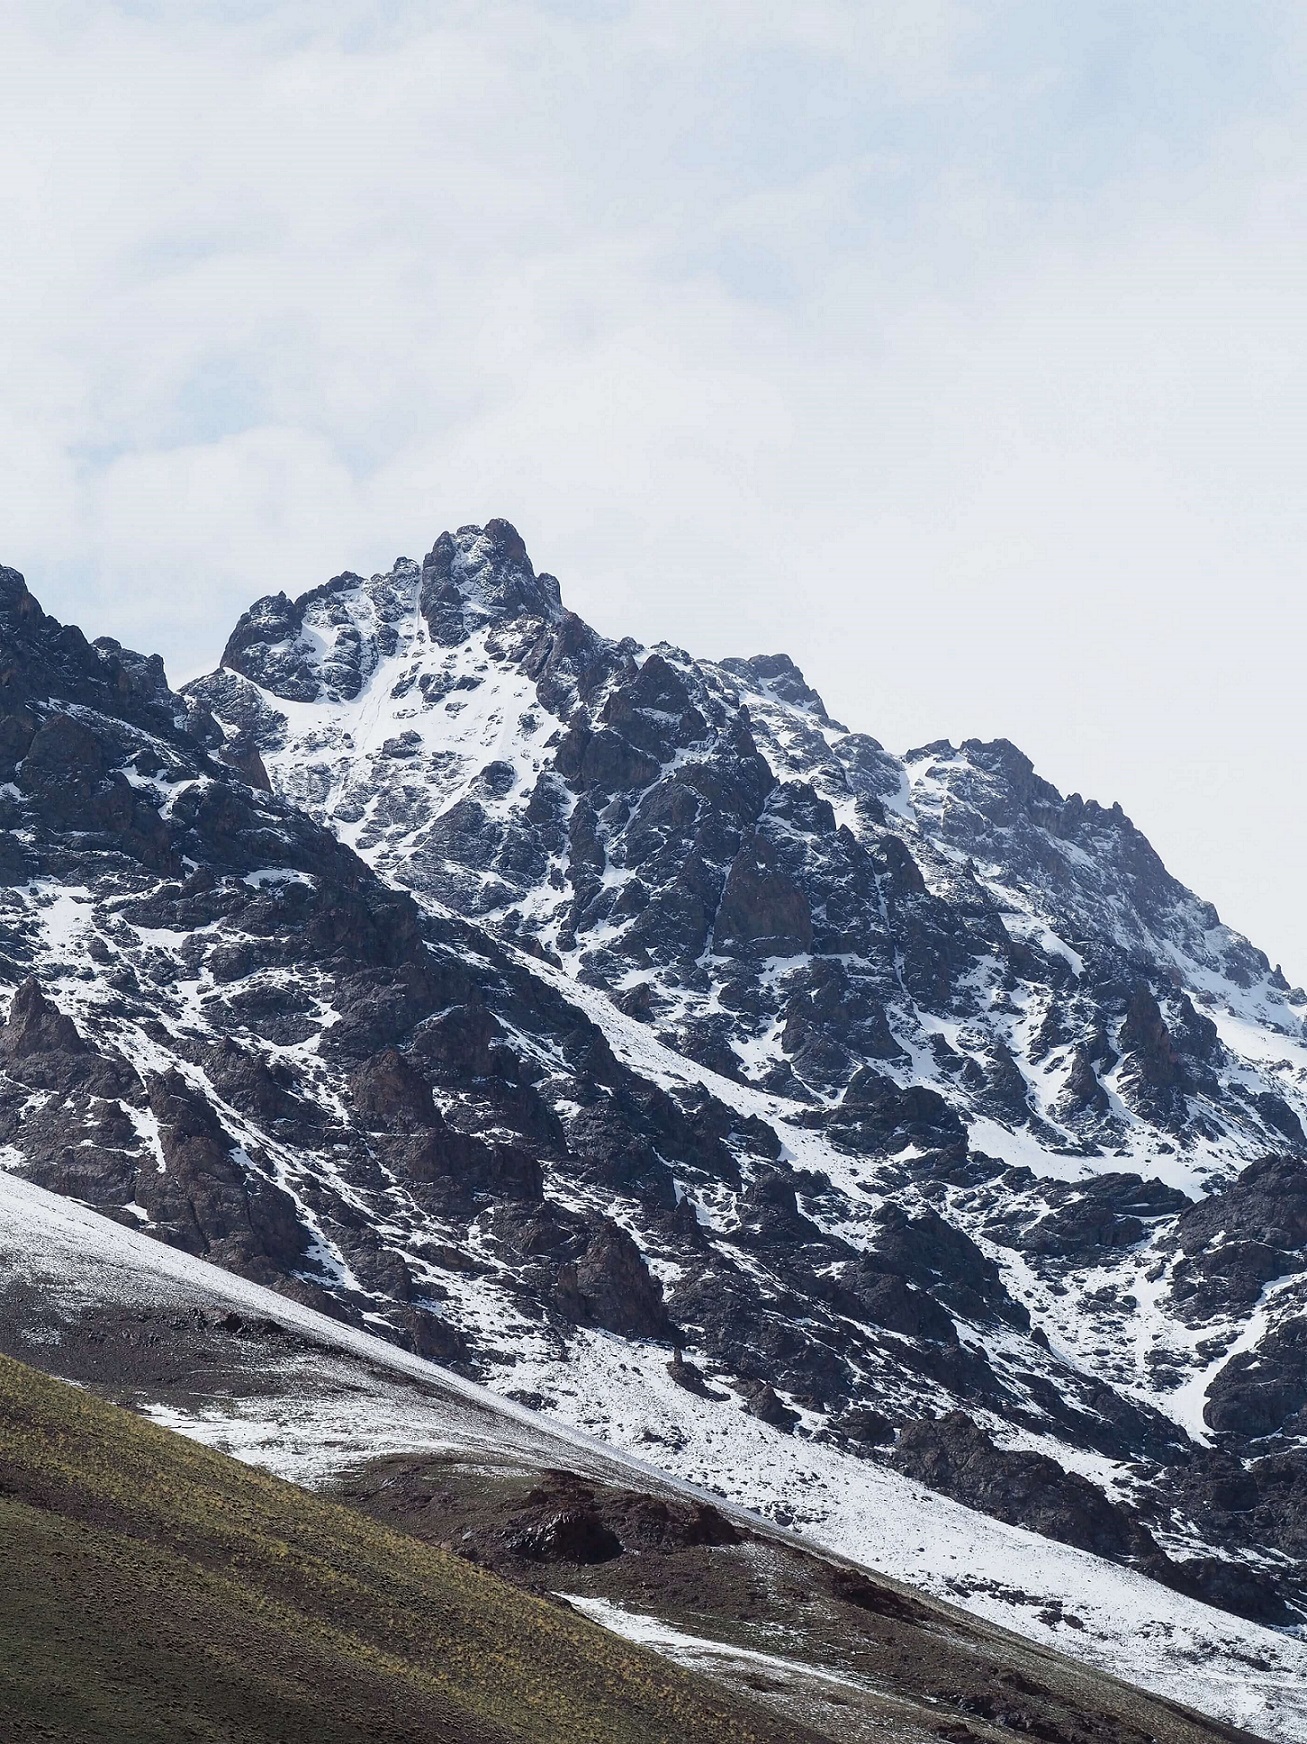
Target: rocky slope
(855, 1657)
(601, 1020)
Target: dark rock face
(575, 1535)
(863, 1427)
(226, 932)
(1263, 1392)
(559, 1519)
(484, 573)
(46, 660)
(203, 1200)
(762, 1402)
(614, 1287)
(390, 1094)
(37, 1027)
(956, 1456)
(1084, 1094)
(761, 911)
(876, 1114)
(1230, 1586)
(1237, 1242)
(888, 1300)
(1153, 1073)
(1105, 1213)
(45, 1050)
(691, 1377)
(935, 1255)
(782, 679)
(712, 830)
(1145, 1036)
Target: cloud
(956, 347)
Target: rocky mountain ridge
(899, 1107)
(783, 899)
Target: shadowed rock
(610, 1286)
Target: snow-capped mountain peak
(584, 1012)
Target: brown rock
(615, 1289)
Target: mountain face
(619, 1027)
(781, 900)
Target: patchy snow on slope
(699, 1652)
(355, 1397)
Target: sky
(957, 349)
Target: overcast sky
(959, 349)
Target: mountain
(833, 1651)
(623, 1031)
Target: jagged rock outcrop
(1233, 1245)
(612, 1287)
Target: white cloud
(957, 347)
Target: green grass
(151, 1589)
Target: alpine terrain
(143, 1583)
(888, 1146)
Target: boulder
(614, 1288)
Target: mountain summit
(781, 899)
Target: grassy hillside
(153, 1590)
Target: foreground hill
(154, 1589)
(829, 1649)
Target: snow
(64, 912)
(698, 1652)
(461, 708)
(275, 877)
(1023, 1150)
(387, 768)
